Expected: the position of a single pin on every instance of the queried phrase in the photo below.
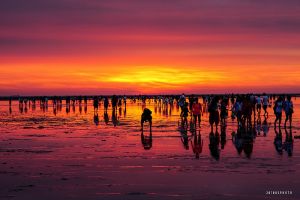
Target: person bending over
(146, 117)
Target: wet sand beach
(52, 154)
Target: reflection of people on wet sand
(114, 119)
(223, 136)
(258, 125)
(10, 109)
(124, 112)
(289, 142)
(54, 110)
(192, 126)
(197, 145)
(73, 108)
(80, 108)
(85, 108)
(248, 143)
(184, 135)
(96, 119)
(146, 140)
(243, 140)
(146, 117)
(184, 139)
(120, 111)
(106, 118)
(214, 145)
(265, 126)
(278, 141)
(237, 141)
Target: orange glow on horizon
(69, 78)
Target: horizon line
(136, 95)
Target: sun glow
(165, 75)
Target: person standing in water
(10, 100)
(197, 111)
(106, 104)
(114, 102)
(181, 101)
(146, 117)
(265, 104)
(192, 99)
(278, 110)
(214, 116)
(96, 104)
(224, 111)
(184, 114)
(289, 110)
(258, 105)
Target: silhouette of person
(278, 110)
(146, 117)
(184, 114)
(106, 104)
(214, 117)
(196, 111)
(96, 104)
(114, 101)
(289, 110)
(265, 100)
(10, 103)
(224, 110)
(67, 109)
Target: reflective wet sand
(52, 154)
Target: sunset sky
(58, 47)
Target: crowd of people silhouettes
(246, 109)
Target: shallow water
(59, 155)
